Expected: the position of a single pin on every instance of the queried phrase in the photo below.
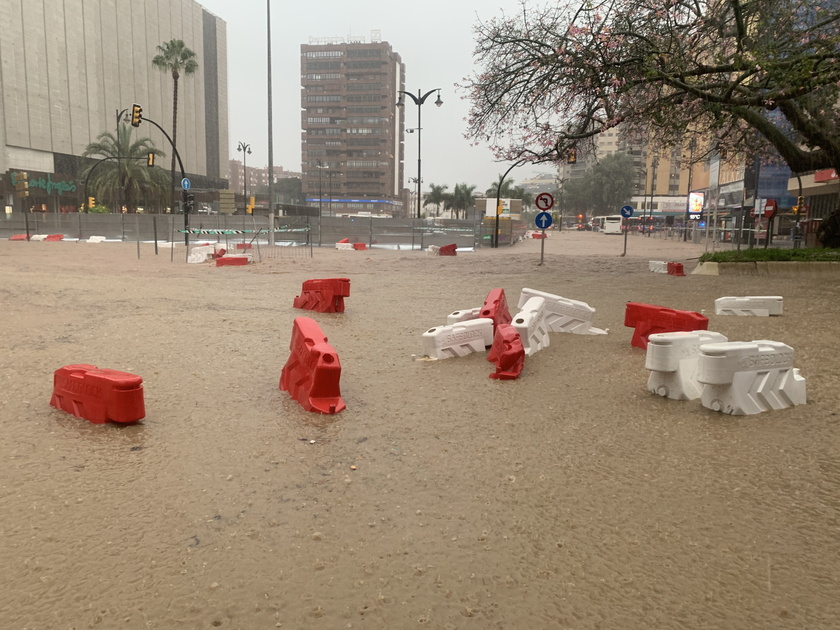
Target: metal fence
(232, 229)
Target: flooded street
(570, 498)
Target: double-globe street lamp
(246, 151)
(419, 100)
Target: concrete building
(352, 131)
(69, 68)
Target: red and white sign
(544, 201)
(764, 207)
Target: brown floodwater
(570, 498)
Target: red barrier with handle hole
(313, 371)
(98, 395)
(648, 319)
(507, 353)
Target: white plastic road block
(672, 359)
(96, 239)
(563, 314)
(201, 253)
(760, 305)
(458, 340)
(531, 325)
(38, 237)
(344, 245)
(744, 378)
(433, 250)
(463, 315)
(658, 266)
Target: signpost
(543, 220)
(626, 213)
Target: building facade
(352, 131)
(68, 71)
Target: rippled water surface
(570, 498)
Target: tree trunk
(174, 132)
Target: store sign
(825, 175)
(47, 183)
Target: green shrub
(809, 254)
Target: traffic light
(189, 198)
(572, 156)
(150, 160)
(800, 205)
(136, 115)
(91, 202)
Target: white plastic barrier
(433, 250)
(744, 378)
(201, 253)
(96, 239)
(458, 340)
(463, 315)
(760, 305)
(344, 245)
(531, 325)
(658, 266)
(563, 314)
(38, 237)
(672, 359)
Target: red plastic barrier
(219, 253)
(54, 237)
(448, 250)
(675, 269)
(359, 246)
(231, 261)
(244, 246)
(312, 373)
(648, 319)
(19, 237)
(344, 240)
(98, 395)
(496, 308)
(325, 295)
(507, 353)
(537, 235)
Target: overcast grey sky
(435, 40)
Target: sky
(435, 40)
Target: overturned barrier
(313, 372)
(529, 322)
(675, 269)
(232, 261)
(563, 314)
(18, 237)
(98, 395)
(506, 353)
(448, 250)
(496, 308)
(744, 378)
(323, 295)
(672, 360)
(458, 340)
(649, 319)
(755, 305)
(345, 244)
(658, 266)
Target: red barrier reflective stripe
(98, 395)
(312, 373)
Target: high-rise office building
(70, 68)
(352, 144)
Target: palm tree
(463, 199)
(174, 56)
(129, 174)
(505, 193)
(435, 196)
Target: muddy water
(570, 498)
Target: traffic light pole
(184, 193)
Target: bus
(612, 224)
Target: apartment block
(352, 131)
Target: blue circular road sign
(543, 220)
(627, 211)
(185, 184)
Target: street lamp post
(246, 151)
(419, 100)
